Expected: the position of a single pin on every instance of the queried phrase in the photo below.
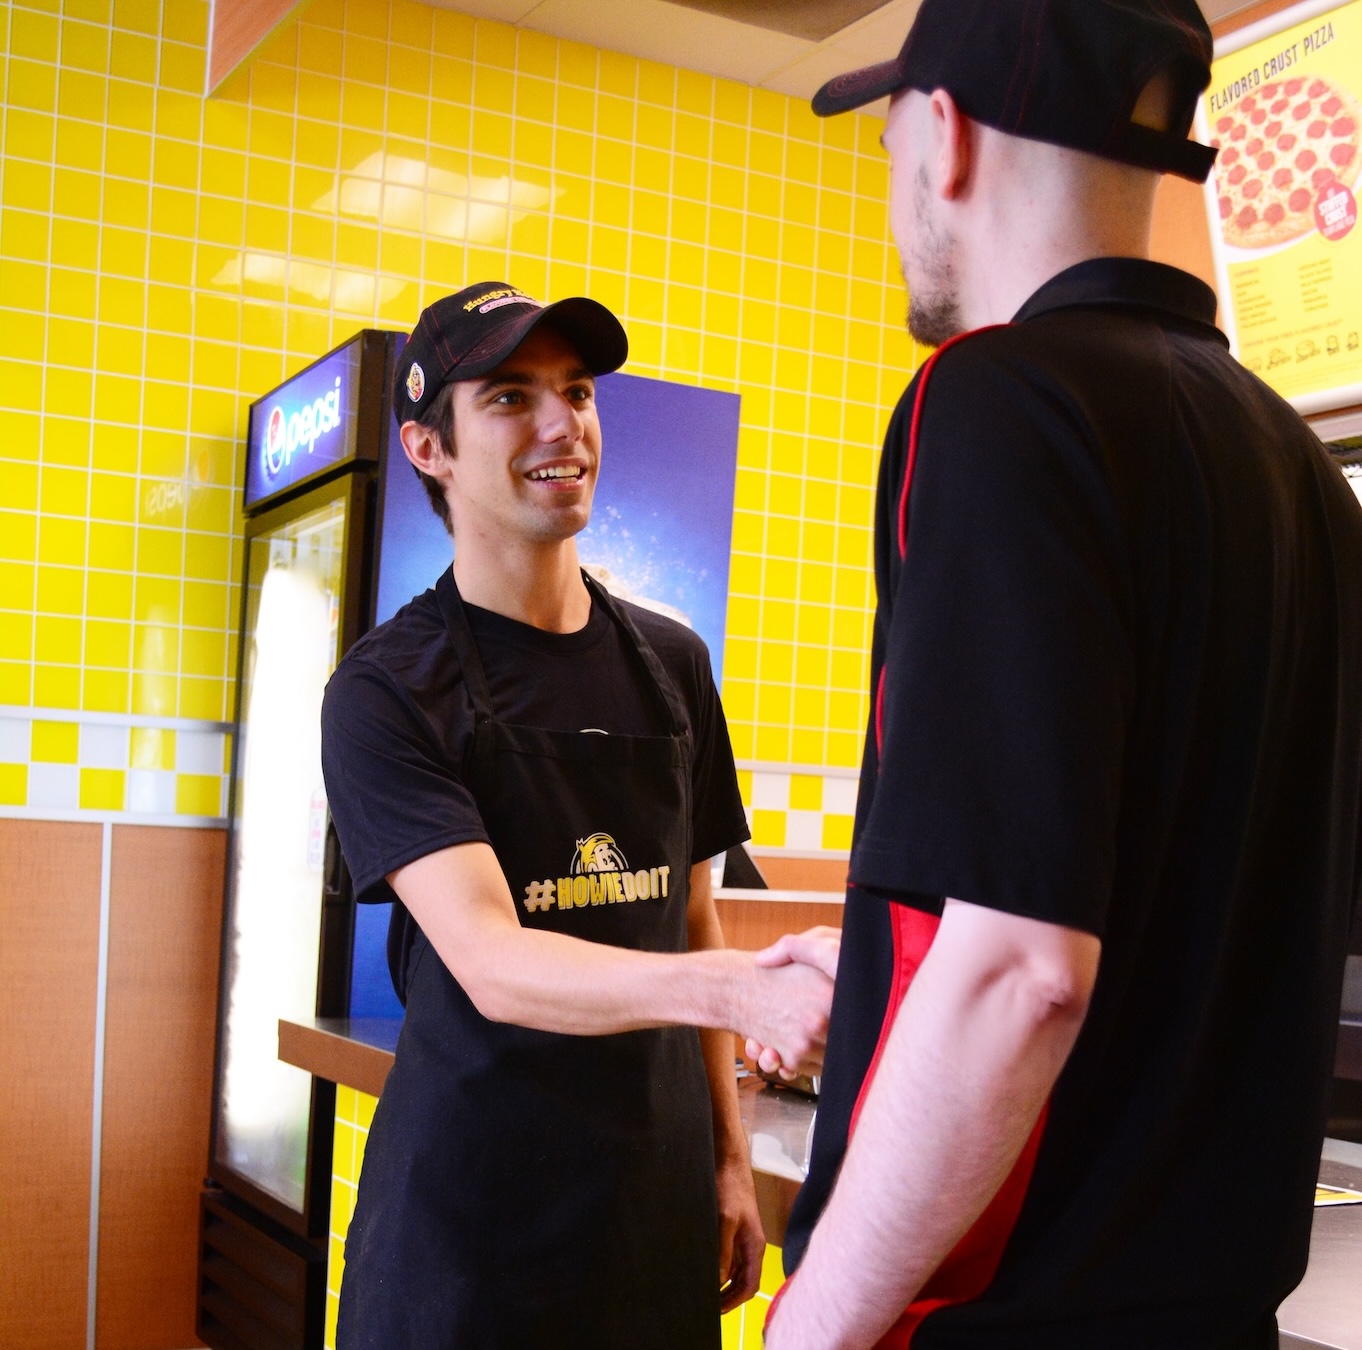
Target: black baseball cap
(1064, 71)
(468, 334)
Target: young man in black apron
(539, 774)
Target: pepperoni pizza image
(1282, 148)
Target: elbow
(1058, 992)
(490, 996)
(1060, 998)
(492, 1000)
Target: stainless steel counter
(1325, 1309)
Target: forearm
(965, 1073)
(556, 983)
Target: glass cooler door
(263, 1108)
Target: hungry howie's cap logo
(490, 300)
(598, 875)
(416, 383)
(506, 300)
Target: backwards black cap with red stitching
(1064, 71)
(468, 334)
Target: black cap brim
(856, 88)
(597, 335)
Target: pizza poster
(1284, 109)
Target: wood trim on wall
(165, 919)
(49, 960)
(802, 874)
(238, 28)
(1232, 23)
(753, 924)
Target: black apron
(525, 1190)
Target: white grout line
(97, 1123)
(18, 711)
(113, 817)
(804, 770)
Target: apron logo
(600, 875)
(598, 853)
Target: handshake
(784, 998)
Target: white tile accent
(839, 796)
(54, 787)
(15, 739)
(804, 829)
(103, 747)
(770, 791)
(198, 752)
(151, 791)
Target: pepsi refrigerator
(311, 491)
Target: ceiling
(790, 46)
(702, 39)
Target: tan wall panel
(802, 874)
(753, 924)
(239, 27)
(1265, 9)
(49, 957)
(165, 917)
(1182, 234)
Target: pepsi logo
(276, 441)
(298, 432)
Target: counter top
(1323, 1313)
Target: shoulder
(678, 647)
(404, 640)
(684, 657)
(1063, 392)
(409, 658)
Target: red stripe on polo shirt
(916, 425)
(969, 1268)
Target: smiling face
(527, 446)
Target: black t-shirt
(1118, 671)
(397, 725)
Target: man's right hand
(816, 949)
(785, 1000)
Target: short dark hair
(439, 417)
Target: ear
(953, 139)
(423, 448)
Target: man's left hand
(742, 1243)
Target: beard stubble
(934, 304)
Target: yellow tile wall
(354, 1114)
(166, 257)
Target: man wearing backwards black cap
(538, 774)
(1106, 846)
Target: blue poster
(661, 525)
(660, 536)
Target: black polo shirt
(1118, 675)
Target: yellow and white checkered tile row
(53, 762)
(355, 1111)
(799, 810)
